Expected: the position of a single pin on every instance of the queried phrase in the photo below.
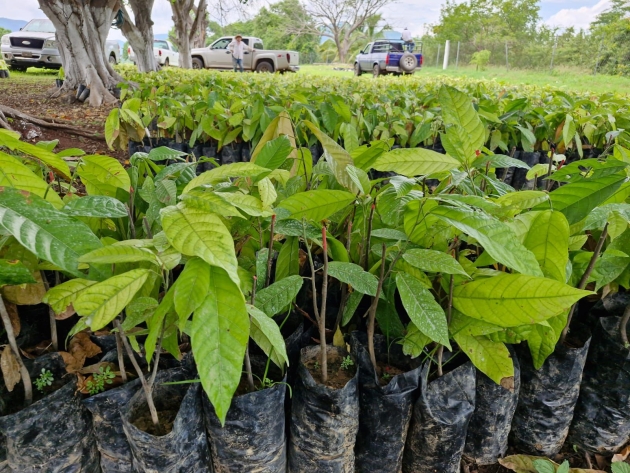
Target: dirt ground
(30, 93)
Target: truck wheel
(167, 63)
(357, 69)
(112, 59)
(197, 63)
(264, 66)
(408, 62)
(376, 70)
(18, 68)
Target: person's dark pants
(238, 64)
(410, 46)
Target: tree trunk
(82, 29)
(140, 33)
(183, 12)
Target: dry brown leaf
(80, 348)
(525, 464)
(26, 294)
(622, 455)
(10, 368)
(72, 366)
(14, 317)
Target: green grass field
(569, 79)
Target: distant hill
(12, 25)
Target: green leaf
(247, 203)
(389, 234)
(14, 273)
(48, 233)
(194, 232)
(267, 192)
(164, 153)
(337, 158)
(317, 204)
(354, 275)
(544, 466)
(412, 162)
(350, 308)
(103, 175)
(568, 130)
(337, 250)
(15, 174)
(156, 322)
(47, 158)
(499, 161)
(266, 334)
(138, 311)
(210, 202)
(112, 127)
(423, 310)
(496, 237)
(64, 295)
(491, 358)
(577, 199)
(262, 256)
(509, 300)
(225, 172)
(102, 302)
(219, 334)
(96, 206)
(388, 320)
(564, 468)
(620, 467)
(434, 262)
(522, 199)
(414, 341)
(271, 300)
(119, 253)
(274, 153)
(191, 288)
(469, 327)
(457, 109)
(360, 179)
(548, 239)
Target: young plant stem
(623, 326)
(372, 313)
(584, 280)
(148, 391)
(549, 182)
(322, 312)
(344, 287)
(312, 266)
(449, 315)
(270, 252)
(121, 358)
(147, 228)
(365, 257)
(26, 377)
(158, 351)
(248, 361)
(51, 314)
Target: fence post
(507, 63)
(437, 59)
(457, 57)
(553, 53)
(447, 52)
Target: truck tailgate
(294, 58)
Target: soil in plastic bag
(253, 437)
(246, 153)
(55, 432)
(507, 174)
(548, 396)
(520, 181)
(185, 447)
(384, 408)
(489, 427)
(602, 416)
(613, 305)
(324, 420)
(230, 155)
(110, 436)
(437, 435)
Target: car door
(174, 54)
(248, 58)
(364, 58)
(160, 51)
(219, 57)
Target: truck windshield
(39, 26)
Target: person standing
(408, 39)
(237, 47)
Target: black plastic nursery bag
(489, 427)
(602, 416)
(547, 398)
(437, 435)
(324, 421)
(253, 437)
(384, 411)
(185, 448)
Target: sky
(413, 14)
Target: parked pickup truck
(217, 56)
(35, 46)
(165, 53)
(387, 57)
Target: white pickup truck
(165, 53)
(217, 56)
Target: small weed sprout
(44, 380)
(316, 365)
(100, 379)
(347, 363)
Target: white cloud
(578, 17)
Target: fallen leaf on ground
(26, 294)
(622, 455)
(525, 464)
(10, 368)
(80, 349)
(14, 317)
